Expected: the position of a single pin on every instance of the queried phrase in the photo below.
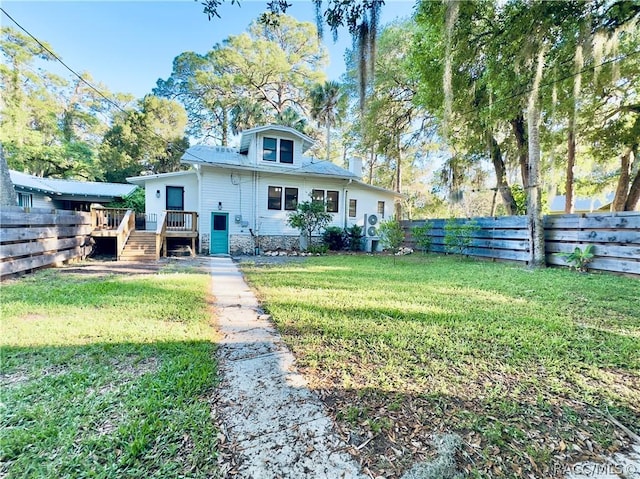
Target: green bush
(422, 236)
(458, 234)
(318, 249)
(392, 235)
(135, 201)
(354, 237)
(334, 238)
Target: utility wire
(501, 100)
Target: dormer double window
(274, 149)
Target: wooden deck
(121, 223)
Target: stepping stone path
(275, 425)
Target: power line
(105, 97)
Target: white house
(36, 192)
(243, 196)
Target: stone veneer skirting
(246, 244)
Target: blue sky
(129, 45)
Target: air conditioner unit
(370, 230)
(371, 225)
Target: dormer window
(274, 149)
(269, 148)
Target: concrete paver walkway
(280, 428)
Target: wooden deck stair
(140, 246)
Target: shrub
(354, 237)
(579, 259)
(458, 235)
(309, 216)
(318, 249)
(392, 235)
(334, 238)
(422, 236)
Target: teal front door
(219, 233)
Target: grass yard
(523, 365)
(107, 376)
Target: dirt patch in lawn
(94, 268)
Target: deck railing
(182, 220)
(127, 225)
(107, 218)
(161, 239)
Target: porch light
(219, 205)
(157, 193)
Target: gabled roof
(248, 135)
(224, 157)
(57, 188)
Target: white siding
(234, 190)
(257, 152)
(188, 181)
(273, 222)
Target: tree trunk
(328, 141)
(501, 175)
(523, 153)
(225, 126)
(398, 204)
(8, 195)
(622, 190)
(372, 159)
(534, 207)
(633, 198)
(571, 161)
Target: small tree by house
(310, 216)
(392, 235)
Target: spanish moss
(451, 16)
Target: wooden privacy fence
(614, 236)
(35, 238)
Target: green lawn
(523, 365)
(107, 377)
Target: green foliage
(310, 216)
(520, 198)
(438, 328)
(422, 236)
(258, 77)
(578, 258)
(135, 201)
(133, 376)
(150, 139)
(318, 249)
(354, 237)
(458, 234)
(391, 235)
(334, 238)
(50, 125)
